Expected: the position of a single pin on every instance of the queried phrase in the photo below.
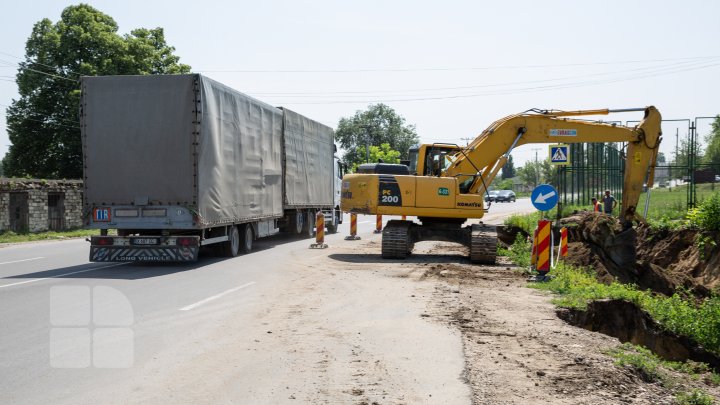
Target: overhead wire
(532, 89)
(363, 92)
(443, 69)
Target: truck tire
(332, 227)
(231, 247)
(246, 238)
(309, 226)
(298, 223)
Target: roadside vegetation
(681, 313)
(12, 237)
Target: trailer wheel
(298, 223)
(231, 247)
(332, 226)
(309, 226)
(246, 239)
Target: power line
(40, 71)
(448, 69)
(507, 91)
(354, 93)
(38, 63)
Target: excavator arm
(480, 161)
(444, 184)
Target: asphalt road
(73, 329)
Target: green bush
(694, 397)
(707, 215)
(519, 252)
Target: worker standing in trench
(609, 202)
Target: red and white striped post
(378, 224)
(543, 248)
(563, 242)
(353, 228)
(404, 217)
(319, 232)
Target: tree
(43, 125)
(375, 126)
(508, 171)
(535, 173)
(381, 153)
(712, 152)
(530, 173)
(682, 159)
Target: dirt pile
(658, 259)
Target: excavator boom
(445, 183)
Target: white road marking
(64, 274)
(23, 260)
(214, 297)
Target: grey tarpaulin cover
(181, 140)
(309, 150)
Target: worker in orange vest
(595, 204)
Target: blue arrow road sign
(544, 197)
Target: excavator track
(396, 243)
(483, 244)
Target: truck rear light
(102, 240)
(186, 241)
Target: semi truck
(176, 163)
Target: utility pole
(367, 142)
(537, 167)
(467, 140)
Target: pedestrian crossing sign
(560, 154)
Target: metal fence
(596, 167)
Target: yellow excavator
(444, 185)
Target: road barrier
(378, 224)
(353, 228)
(563, 251)
(320, 232)
(404, 217)
(543, 247)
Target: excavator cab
(431, 159)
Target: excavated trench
(659, 260)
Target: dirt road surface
(348, 327)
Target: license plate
(145, 241)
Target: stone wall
(37, 191)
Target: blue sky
(450, 68)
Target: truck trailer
(177, 162)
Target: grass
(679, 313)
(12, 237)
(671, 203)
(653, 369)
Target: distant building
(40, 205)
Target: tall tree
(43, 124)
(712, 152)
(375, 126)
(508, 171)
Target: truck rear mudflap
(144, 249)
